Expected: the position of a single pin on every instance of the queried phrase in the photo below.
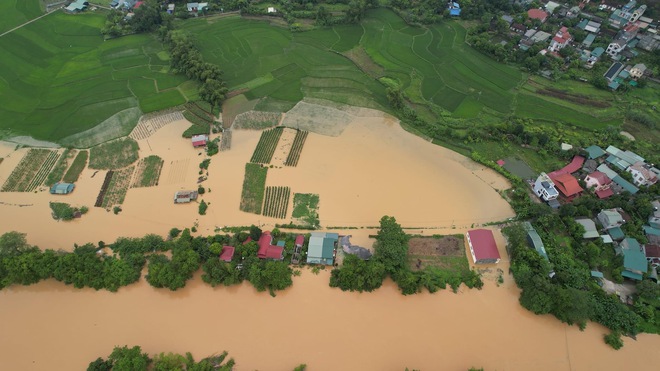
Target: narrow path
(30, 21)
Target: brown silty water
(372, 169)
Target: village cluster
(627, 33)
(561, 186)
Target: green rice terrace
(60, 80)
(58, 77)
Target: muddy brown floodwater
(373, 168)
(50, 326)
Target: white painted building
(544, 187)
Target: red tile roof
(537, 14)
(601, 177)
(483, 244)
(652, 251)
(575, 165)
(249, 239)
(300, 239)
(227, 253)
(567, 184)
(266, 249)
(605, 193)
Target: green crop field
(58, 77)
(16, 12)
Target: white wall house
(642, 174)
(615, 48)
(544, 187)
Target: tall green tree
(391, 247)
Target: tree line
(170, 264)
(391, 260)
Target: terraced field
(58, 77)
(17, 12)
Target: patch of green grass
(114, 155)
(64, 211)
(16, 12)
(58, 77)
(78, 165)
(535, 107)
(254, 187)
(305, 209)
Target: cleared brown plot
(446, 252)
(117, 187)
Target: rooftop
(595, 151)
(483, 244)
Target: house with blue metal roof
(634, 259)
(62, 188)
(534, 240)
(321, 248)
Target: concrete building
(322, 248)
(482, 246)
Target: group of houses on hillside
(595, 171)
(625, 33)
(636, 256)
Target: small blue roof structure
(634, 259)
(597, 52)
(651, 230)
(62, 188)
(321, 248)
(626, 185)
(454, 9)
(597, 274)
(280, 243)
(76, 6)
(595, 152)
(616, 233)
(534, 240)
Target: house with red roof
(562, 39)
(482, 246)
(572, 167)
(267, 250)
(227, 253)
(199, 140)
(652, 253)
(567, 186)
(537, 14)
(598, 180)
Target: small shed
(589, 226)
(482, 246)
(227, 253)
(182, 197)
(199, 140)
(62, 188)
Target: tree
(395, 97)
(391, 247)
(323, 17)
(358, 275)
(202, 207)
(214, 92)
(100, 365)
(648, 290)
(171, 362)
(255, 233)
(146, 18)
(13, 243)
(125, 358)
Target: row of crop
(43, 172)
(104, 188)
(277, 202)
(199, 126)
(254, 185)
(60, 167)
(24, 172)
(296, 148)
(76, 167)
(116, 191)
(265, 149)
(197, 111)
(148, 172)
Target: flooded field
(373, 168)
